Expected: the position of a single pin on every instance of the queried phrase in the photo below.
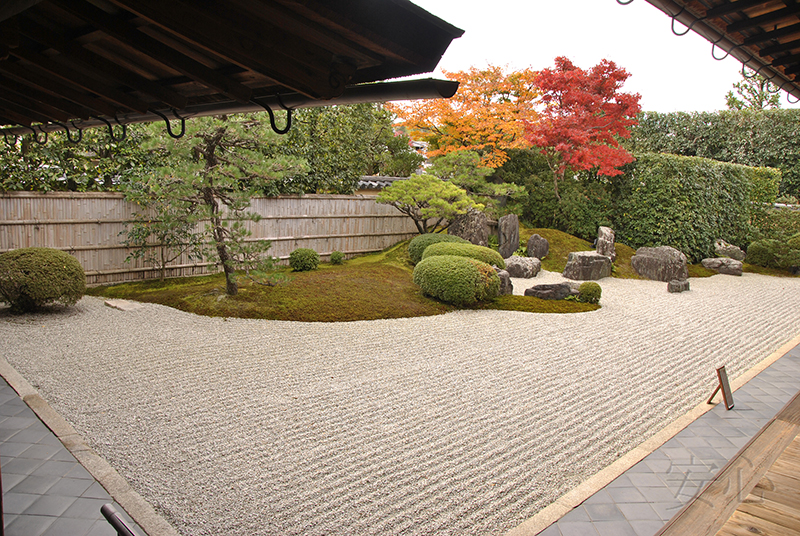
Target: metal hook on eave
(111, 128)
(5, 137)
(69, 135)
(36, 136)
(790, 101)
(169, 127)
(275, 128)
(620, 2)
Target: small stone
(525, 267)
(538, 247)
(678, 285)
(724, 265)
(723, 249)
(556, 291)
(587, 266)
(506, 286)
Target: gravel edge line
(120, 490)
(583, 491)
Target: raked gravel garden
(464, 423)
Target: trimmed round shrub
(794, 242)
(589, 292)
(483, 254)
(33, 277)
(457, 280)
(418, 245)
(765, 253)
(303, 260)
(337, 257)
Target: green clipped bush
(790, 260)
(33, 277)
(766, 252)
(417, 246)
(483, 254)
(457, 280)
(337, 257)
(589, 292)
(303, 260)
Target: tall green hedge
(688, 203)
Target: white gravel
(465, 423)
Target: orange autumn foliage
(486, 115)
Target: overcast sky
(670, 73)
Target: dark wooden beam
(780, 47)
(9, 107)
(44, 109)
(773, 34)
(766, 18)
(54, 87)
(90, 62)
(731, 7)
(127, 35)
(72, 109)
(306, 69)
(9, 117)
(70, 76)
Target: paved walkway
(46, 492)
(645, 497)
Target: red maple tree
(583, 117)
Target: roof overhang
(763, 35)
(90, 62)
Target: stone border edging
(134, 504)
(576, 496)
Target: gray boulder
(508, 231)
(723, 249)
(724, 265)
(677, 285)
(472, 226)
(526, 267)
(538, 247)
(557, 291)
(605, 243)
(587, 266)
(506, 287)
(663, 263)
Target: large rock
(506, 287)
(723, 249)
(605, 243)
(587, 266)
(538, 247)
(663, 263)
(526, 267)
(508, 231)
(557, 291)
(472, 226)
(724, 265)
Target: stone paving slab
(46, 491)
(645, 497)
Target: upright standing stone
(508, 229)
(538, 247)
(472, 226)
(506, 286)
(605, 243)
(663, 263)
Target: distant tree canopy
(753, 92)
(759, 138)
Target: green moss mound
(480, 253)
(303, 260)
(589, 292)
(31, 278)
(457, 280)
(418, 245)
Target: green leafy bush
(33, 277)
(790, 260)
(457, 280)
(337, 257)
(766, 252)
(303, 260)
(417, 246)
(483, 254)
(589, 292)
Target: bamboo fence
(92, 226)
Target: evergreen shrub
(457, 280)
(481, 253)
(337, 257)
(417, 246)
(766, 252)
(589, 292)
(303, 260)
(33, 277)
